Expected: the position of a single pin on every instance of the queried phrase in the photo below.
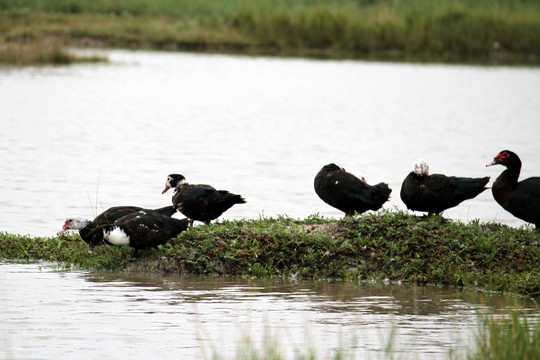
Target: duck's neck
(84, 231)
(505, 184)
(180, 186)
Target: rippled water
(79, 139)
(109, 134)
(78, 315)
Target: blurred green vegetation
(507, 338)
(481, 31)
(41, 52)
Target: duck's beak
(167, 187)
(492, 163)
(64, 228)
(90, 248)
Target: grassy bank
(387, 245)
(40, 52)
(480, 31)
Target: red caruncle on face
(502, 156)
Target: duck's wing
(525, 200)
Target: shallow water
(82, 138)
(79, 139)
(78, 315)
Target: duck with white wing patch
(140, 230)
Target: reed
(448, 30)
(498, 337)
(507, 338)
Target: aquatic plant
(498, 337)
(507, 338)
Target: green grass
(507, 338)
(387, 245)
(391, 246)
(484, 31)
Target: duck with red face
(141, 230)
(521, 199)
(109, 216)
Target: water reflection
(128, 315)
(329, 295)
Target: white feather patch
(117, 236)
(421, 167)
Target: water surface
(80, 315)
(82, 138)
(76, 140)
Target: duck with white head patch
(109, 216)
(435, 193)
(199, 202)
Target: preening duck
(521, 199)
(199, 202)
(435, 193)
(346, 192)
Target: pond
(78, 315)
(79, 139)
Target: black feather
(436, 193)
(145, 228)
(200, 202)
(521, 199)
(346, 192)
(112, 214)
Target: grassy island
(471, 31)
(387, 245)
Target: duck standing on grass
(199, 202)
(436, 193)
(140, 230)
(348, 193)
(521, 199)
(107, 217)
